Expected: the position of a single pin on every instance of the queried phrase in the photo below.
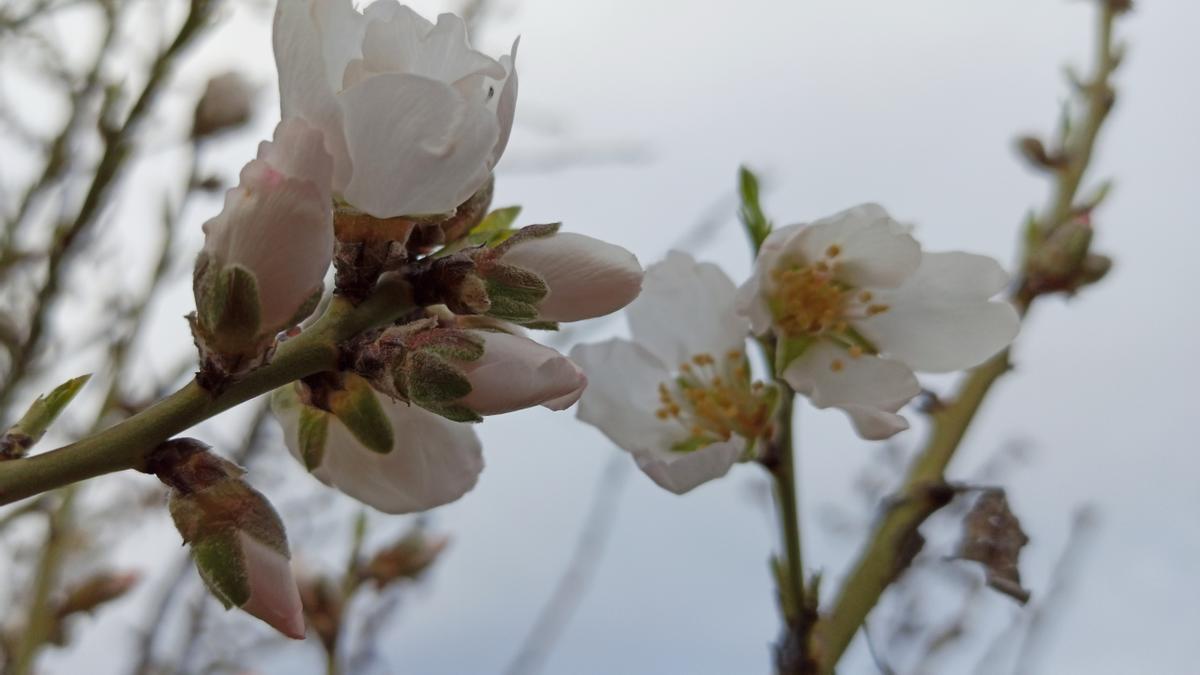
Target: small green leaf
(37, 420)
(357, 407)
(751, 213)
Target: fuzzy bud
(540, 276)
(408, 558)
(1060, 263)
(237, 539)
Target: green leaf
(37, 420)
(751, 213)
(357, 407)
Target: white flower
(584, 277)
(432, 462)
(415, 118)
(515, 373)
(679, 396)
(277, 226)
(857, 307)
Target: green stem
(784, 473)
(126, 444)
(40, 623)
(890, 547)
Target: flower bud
(540, 275)
(408, 558)
(1058, 263)
(224, 106)
(266, 254)
(237, 539)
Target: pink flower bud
(584, 277)
(516, 372)
(277, 226)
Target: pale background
(912, 104)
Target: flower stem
(126, 444)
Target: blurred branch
(887, 552)
(118, 151)
(589, 549)
(40, 622)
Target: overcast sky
(912, 104)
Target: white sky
(912, 104)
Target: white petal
(622, 395)
(876, 252)
(751, 300)
(305, 88)
(942, 318)
(868, 388)
(586, 277)
(515, 373)
(681, 472)
(417, 146)
(505, 105)
(407, 43)
(274, 597)
(434, 461)
(297, 150)
(686, 308)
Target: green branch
(126, 444)
(891, 545)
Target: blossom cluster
(849, 307)
(381, 167)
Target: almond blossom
(414, 117)
(856, 307)
(679, 396)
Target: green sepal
(789, 349)
(430, 379)
(511, 309)
(28, 430)
(456, 345)
(540, 325)
(312, 433)
(455, 412)
(228, 308)
(221, 563)
(518, 283)
(690, 444)
(357, 407)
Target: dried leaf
(992, 536)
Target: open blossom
(265, 255)
(857, 307)
(414, 117)
(582, 277)
(432, 461)
(679, 397)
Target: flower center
(810, 302)
(713, 399)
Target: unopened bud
(451, 281)
(225, 105)
(237, 539)
(1057, 264)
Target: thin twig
(578, 575)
